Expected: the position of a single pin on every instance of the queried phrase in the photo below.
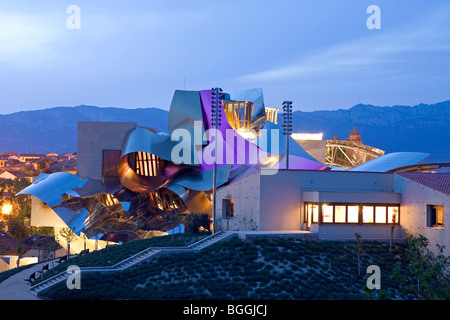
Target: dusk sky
(134, 54)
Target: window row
(351, 213)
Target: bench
(31, 278)
(82, 252)
(44, 268)
(61, 259)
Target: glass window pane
(327, 213)
(367, 214)
(315, 212)
(227, 208)
(380, 214)
(339, 214)
(309, 213)
(352, 214)
(392, 214)
(440, 216)
(433, 216)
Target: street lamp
(216, 117)
(6, 208)
(287, 126)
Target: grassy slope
(280, 268)
(114, 254)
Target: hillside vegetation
(116, 253)
(278, 268)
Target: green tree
(425, 275)
(176, 220)
(359, 250)
(68, 235)
(17, 229)
(38, 242)
(19, 218)
(2, 226)
(393, 225)
(43, 231)
(43, 164)
(49, 251)
(195, 221)
(20, 250)
(13, 162)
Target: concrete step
(211, 240)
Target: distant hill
(424, 128)
(55, 129)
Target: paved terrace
(15, 288)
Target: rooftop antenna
(216, 108)
(287, 126)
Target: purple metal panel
(247, 153)
(299, 163)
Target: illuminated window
(166, 200)
(367, 214)
(327, 213)
(312, 213)
(392, 214)
(380, 214)
(339, 214)
(146, 164)
(308, 215)
(239, 114)
(353, 213)
(315, 213)
(435, 216)
(350, 213)
(271, 114)
(227, 208)
(107, 199)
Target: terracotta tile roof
(18, 173)
(7, 243)
(436, 181)
(46, 242)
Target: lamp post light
(216, 107)
(6, 208)
(287, 126)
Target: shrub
(231, 272)
(426, 275)
(196, 221)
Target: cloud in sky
(369, 54)
(135, 54)
(26, 39)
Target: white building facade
(334, 204)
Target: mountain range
(420, 128)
